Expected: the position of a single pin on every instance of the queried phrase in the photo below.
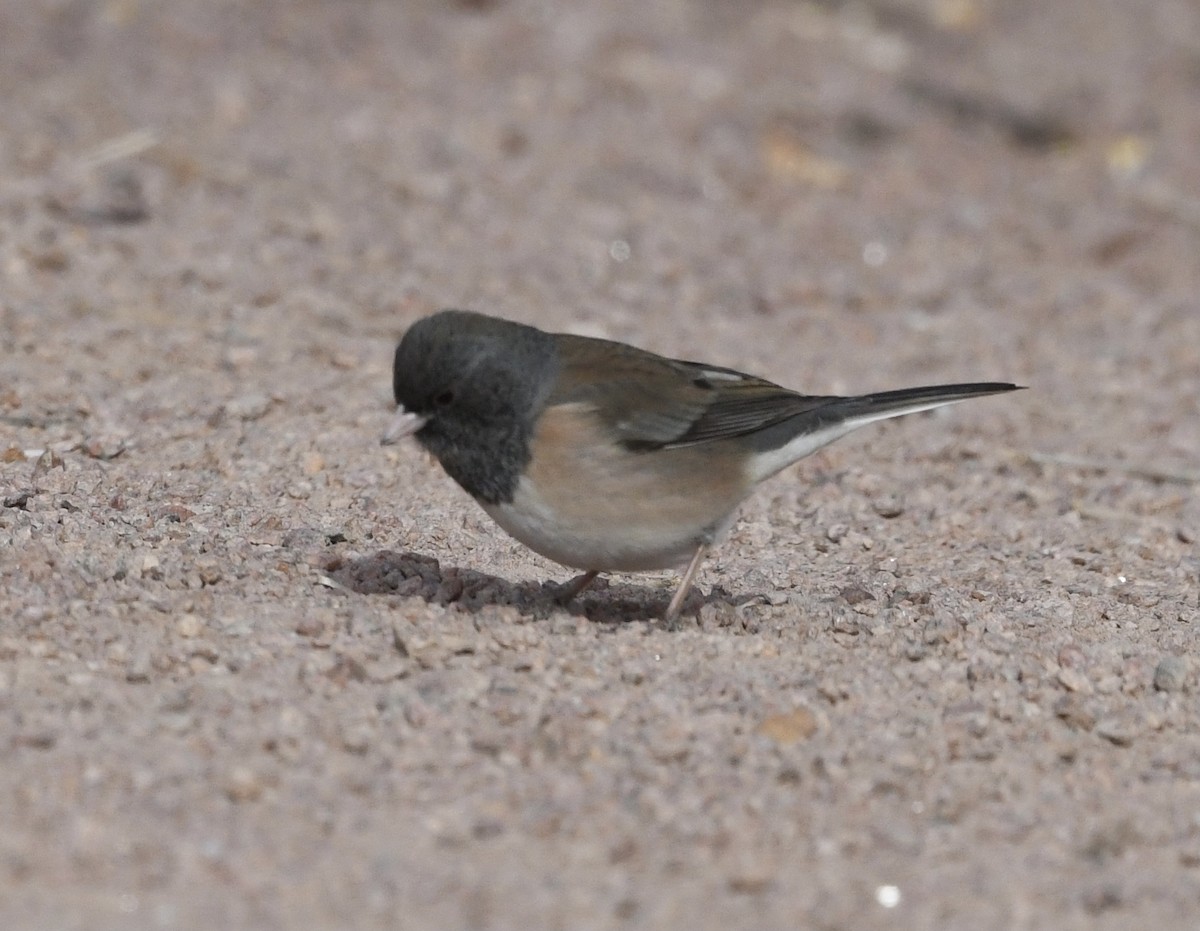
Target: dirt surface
(257, 671)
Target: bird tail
(834, 417)
(868, 408)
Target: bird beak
(405, 423)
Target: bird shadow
(417, 576)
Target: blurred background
(901, 176)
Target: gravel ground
(257, 671)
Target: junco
(605, 457)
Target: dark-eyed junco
(605, 457)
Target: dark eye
(446, 397)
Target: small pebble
(310, 627)
(789, 728)
(1071, 657)
(752, 876)
(855, 595)
(313, 463)
(176, 702)
(671, 743)
(1118, 729)
(17, 500)
(243, 785)
(1074, 681)
(1075, 712)
(889, 506)
(1171, 674)
(140, 666)
(210, 571)
(248, 407)
(189, 626)
(105, 445)
(357, 738)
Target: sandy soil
(257, 671)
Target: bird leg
(685, 585)
(575, 586)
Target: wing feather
(650, 402)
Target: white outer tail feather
(769, 462)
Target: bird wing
(651, 402)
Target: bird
(604, 457)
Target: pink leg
(685, 585)
(575, 586)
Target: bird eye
(446, 397)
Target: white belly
(629, 545)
